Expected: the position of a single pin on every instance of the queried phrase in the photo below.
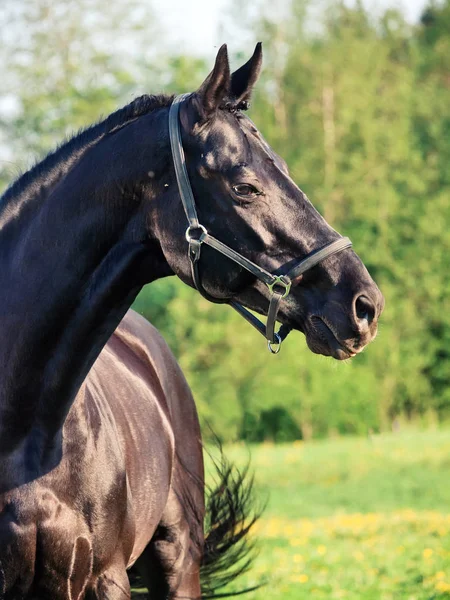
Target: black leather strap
(274, 306)
(257, 271)
(179, 161)
(249, 317)
(317, 256)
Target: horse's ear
(215, 87)
(243, 80)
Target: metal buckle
(189, 237)
(281, 281)
(277, 344)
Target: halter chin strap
(196, 235)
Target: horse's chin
(334, 349)
(321, 339)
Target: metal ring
(281, 281)
(277, 343)
(189, 237)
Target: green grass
(362, 519)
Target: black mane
(56, 164)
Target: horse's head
(245, 198)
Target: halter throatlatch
(279, 286)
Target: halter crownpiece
(196, 235)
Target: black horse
(101, 448)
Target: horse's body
(82, 524)
(100, 461)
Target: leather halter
(197, 235)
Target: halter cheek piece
(197, 235)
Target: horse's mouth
(321, 339)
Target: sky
(192, 26)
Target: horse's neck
(72, 263)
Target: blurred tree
(432, 137)
(65, 64)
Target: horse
(101, 460)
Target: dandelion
(288, 531)
(321, 550)
(442, 586)
(302, 578)
(427, 553)
(296, 542)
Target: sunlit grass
(401, 554)
(361, 519)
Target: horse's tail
(230, 515)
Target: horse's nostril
(364, 309)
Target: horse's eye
(246, 190)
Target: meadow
(361, 519)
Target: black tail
(230, 515)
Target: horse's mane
(56, 164)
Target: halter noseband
(197, 235)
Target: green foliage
(358, 106)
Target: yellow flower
(442, 586)
(427, 553)
(288, 531)
(321, 550)
(302, 578)
(296, 542)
